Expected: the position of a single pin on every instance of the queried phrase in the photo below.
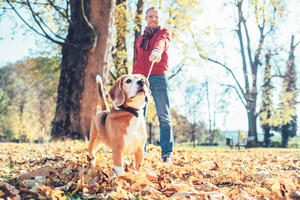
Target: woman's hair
(152, 8)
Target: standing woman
(150, 47)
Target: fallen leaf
(294, 195)
(151, 176)
(263, 191)
(44, 171)
(9, 191)
(58, 195)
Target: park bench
(241, 140)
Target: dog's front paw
(119, 170)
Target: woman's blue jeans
(159, 91)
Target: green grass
(294, 142)
(6, 177)
(189, 145)
(76, 197)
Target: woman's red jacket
(160, 41)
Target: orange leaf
(263, 191)
(137, 187)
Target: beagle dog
(123, 128)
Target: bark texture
(84, 55)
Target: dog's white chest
(136, 135)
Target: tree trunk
(150, 133)
(85, 54)
(267, 135)
(211, 136)
(285, 136)
(252, 131)
(267, 100)
(193, 138)
(138, 21)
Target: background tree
(193, 97)
(4, 98)
(213, 132)
(251, 58)
(119, 52)
(32, 99)
(210, 132)
(138, 21)
(181, 127)
(282, 118)
(5, 101)
(217, 102)
(289, 98)
(267, 108)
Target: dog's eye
(128, 81)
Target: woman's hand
(155, 55)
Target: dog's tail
(102, 103)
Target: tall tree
(289, 128)
(216, 103)
(119, 52)
(193, 98)
(267, 105)
(85, 53)
(210, 132)
(282, 118)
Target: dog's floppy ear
(116, 93)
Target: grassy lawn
(189, 145)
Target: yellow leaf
(58, 195)
(52, 25)
(1, 193)
(48, 7)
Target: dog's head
(130, 90)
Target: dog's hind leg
(93, 142)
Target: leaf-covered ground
(61, 170)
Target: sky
(15, 45)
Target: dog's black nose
(140, 82)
